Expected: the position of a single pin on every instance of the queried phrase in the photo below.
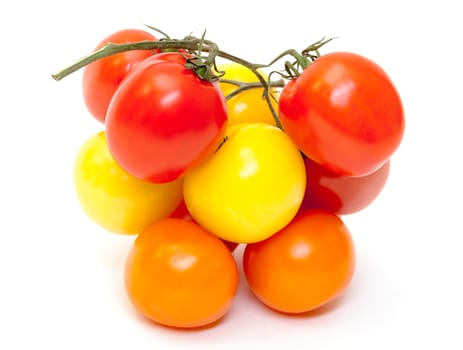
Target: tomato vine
(204, 66)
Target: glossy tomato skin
(248, 106)
(164, 120)
(179, 275)
(101, 78)
(114, 199)
(344, 113)
(342, 194)
(304, 266)
(252, 186)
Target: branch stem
(188, 43)
(243, 86)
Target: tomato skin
(181, 212)
(179, 275)
(304, 266)
(174, 57)
(101, 78)
(341, 194)
(115, 200)
(344, 113)
(252, 186)
(247, 106)
(157, 128)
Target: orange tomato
(305, 265)
(179, 275)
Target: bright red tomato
(179, 275)
(305, 265)
(344, 113)
(101, 78)
(341, 194)
(164, 120)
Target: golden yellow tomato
(114, 199)
(252, 186)
(248, 106)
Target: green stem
(189, 43)
(254, 69)
(243, 86)
(291, 70)
(111, 49)
(300, 59)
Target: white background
(61, 276)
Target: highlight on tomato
(342, 194)
(101, 78)
(344, 113)
(307, 264)
(114, 199)
(164, 120)
(179, 275)
(251, 187)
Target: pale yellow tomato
(248, 106)
(114, 199)
(251, 187)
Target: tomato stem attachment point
(302, 60)
(203, 66)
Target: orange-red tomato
(101, 78)
(179, 275)
(344, 113)
(305, 265)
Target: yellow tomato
(251, 187)
(248, 106)
(114, 199)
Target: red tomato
(175, 57)
(344, 113)
(341, 194)
(179, 275)
(164, 120)
(305, 265)
(102, 77)
(182, 213)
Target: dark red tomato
(102, 77)
(164, 120)
(182, 213)
(344, 113)
(341, 194)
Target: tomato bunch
(196, 158)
